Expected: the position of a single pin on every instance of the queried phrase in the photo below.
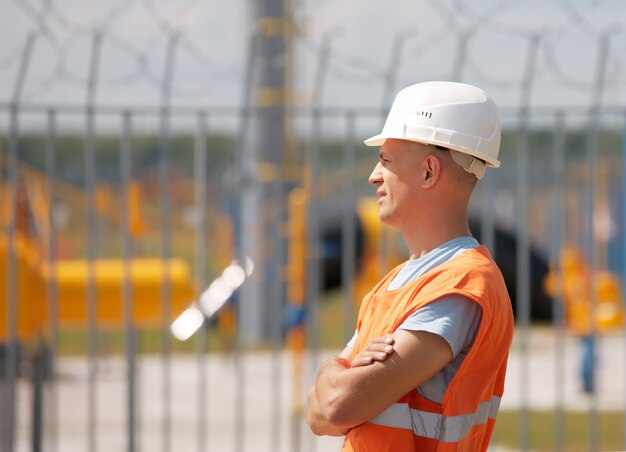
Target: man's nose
(376, 175)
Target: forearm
(335, 393)
(317, 422)
(349, 396)
(316, 418)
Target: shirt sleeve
(352, 341)
(455, 318)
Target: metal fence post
(166, 239)
(200, 232)
(556, 240)
(523, 308)
(127, 291)
(624, 248)
(313, 245)
(90, 221)
(349, 227)
(52, 288)
(11, 348)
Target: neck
(433, 230)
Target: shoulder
(473, 274)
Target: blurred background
(186, 227)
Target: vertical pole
(319, 80)
(52, 287)
(166, 240)
(8, 390)
(624, 249)
(391, 75)
(522, 251)
(523, 280)
(274, 202)
(276, 302)
(200, 195)
(127, 291)
(348, 248)
(558, 315)
(37, 399)
(593, 252)
(271, 96)
(461, 55)
(23, 68)
(90, 221)
(11, 357)
(245, 237)
(297, 300)
(313, 239)
(311, 177)
(313, 274)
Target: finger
(361, 361)
(378, 348)
(365, 358)
(382, 340)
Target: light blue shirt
(454, 318)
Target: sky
(375, 48)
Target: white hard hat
(454, 115)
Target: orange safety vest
(466, 418)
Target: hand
(377, 350)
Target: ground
(263, 416)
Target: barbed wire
(488, 22)
(36, 16)
(439, 36)
(50, 22)
(10, 58)
(478, 73)
(345, 67)
(577, 18)
(555, 69)
(140, 58)
(162, 22)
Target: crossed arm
(347, 393)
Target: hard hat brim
(376, 140)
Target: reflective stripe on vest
(435, 425)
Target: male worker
(425, 370)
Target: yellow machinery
(591, 302)
(70, 278)
(145, 276)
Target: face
(397, 180)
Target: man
(425, 370)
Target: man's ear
(432, 171)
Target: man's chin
(385, 218)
